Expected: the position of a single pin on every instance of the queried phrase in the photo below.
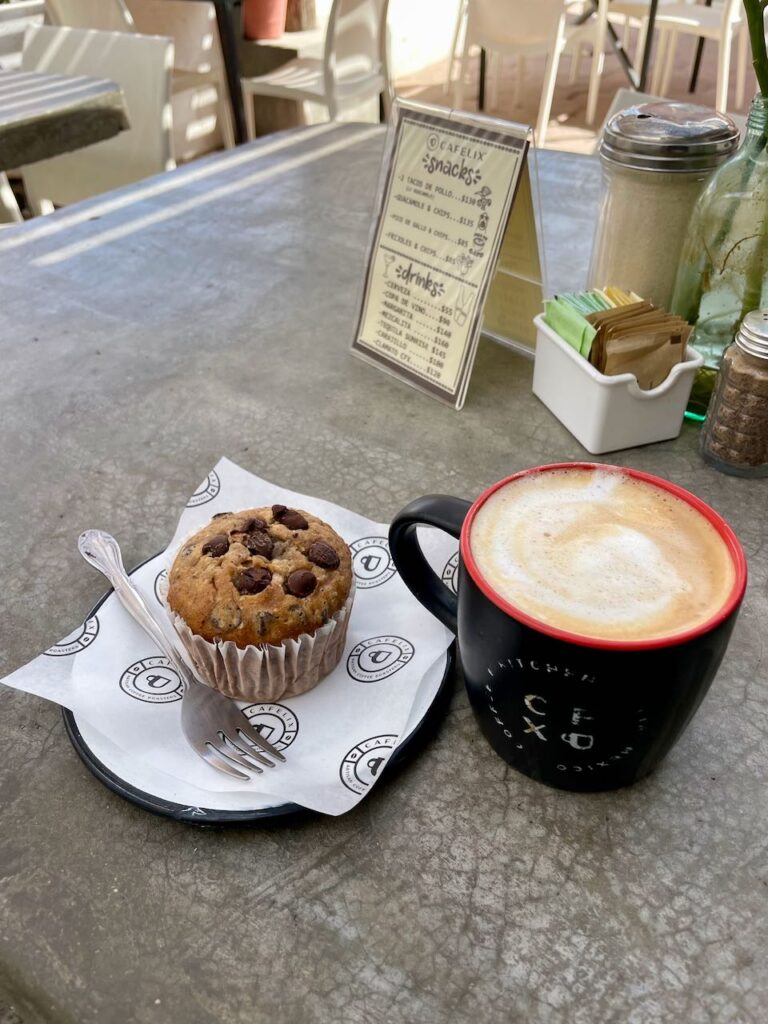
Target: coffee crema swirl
(602, 554)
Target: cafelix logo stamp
(450, 574)
(362, 764)
(77, 640)
(371, 561)
(275, 722)
(378, 658)
(207, 490)
(527, 721)
(160, 585)
(153, 681)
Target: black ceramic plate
(279, 813)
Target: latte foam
(602, 554)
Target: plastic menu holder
(453, 214)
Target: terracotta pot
(264, 19)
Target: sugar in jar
(656, 159)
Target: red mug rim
(724, 530)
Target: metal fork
(214, 726)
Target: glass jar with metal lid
(656, 160)
(735, 436)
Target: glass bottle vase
(723, 272)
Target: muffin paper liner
(267, 672)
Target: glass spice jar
(735, 435)
(656, 160)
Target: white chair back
(104, 15)
(192, 26)
(356, 42)
(499, 21)
(141, 65)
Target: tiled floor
(568, 129)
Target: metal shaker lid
(668, 137)
(753, 333)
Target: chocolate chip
(253, 581)
(294, 520)
(218, 515)
(259, 543)
(257, 523)
(216, 546)
(301, 583)
(289, 518)
(322, 554)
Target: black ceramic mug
(570, 711)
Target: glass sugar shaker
(656, 159)
(735, 435)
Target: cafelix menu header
(450, 183)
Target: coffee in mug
(601, 554)
(594, 607)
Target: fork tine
(211, 754)
(234, 758)
(239, 753)
(251, 733)
(250, 749)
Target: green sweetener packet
(570, 323)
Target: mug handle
(446, 513)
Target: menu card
(450, 180)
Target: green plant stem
(755, 10)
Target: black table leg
(227, 15)
(637, 81)
(481, 93)
(696, 65)
(621, 53)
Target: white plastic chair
(193, 28)
(521, 29)
(457, 44)
(631, 14)
(721, 23)
(104, 15)
(141, 65)
(354, 65)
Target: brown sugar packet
(649, 350)
(652, 321)
(638, 338)
(607, 318)
(648, 357)
(619, 313)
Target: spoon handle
(101, 550)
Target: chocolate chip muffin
(258, 580)
(260, 577)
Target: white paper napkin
(337, 738)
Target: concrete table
(210, 311)
(45, 115)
